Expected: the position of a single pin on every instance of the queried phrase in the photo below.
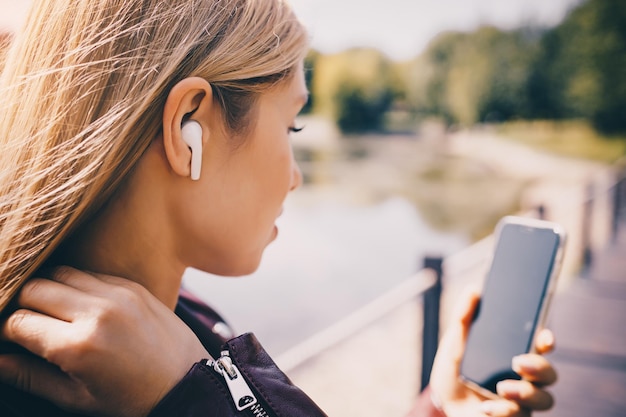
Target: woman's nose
(296, 177)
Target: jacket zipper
(241, 393)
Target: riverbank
(463, 181)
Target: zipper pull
(237, 385)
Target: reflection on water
(329, 259)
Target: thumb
(446, 368)
(36, 376)
(456, 334)
(445, 373)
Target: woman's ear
(191, 98)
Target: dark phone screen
(511, 303)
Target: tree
(509, 58)
(580, 71)
(610, 56)
(310, 63)
(355, 88)
(361, 109)
(472, 77)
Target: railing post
(541, 212)
(618, 195)
(586, 227)
(430, 333)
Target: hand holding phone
(514, 300)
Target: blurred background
(428, 121)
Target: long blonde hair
(82, 94)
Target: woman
(139, 138)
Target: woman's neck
(129, 238)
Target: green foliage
(309, 74)
(576, 70)
(510, 56)
(588, 55)
(474, 77)
(429, 74)
(355, 88)
(610, 114)
(361, 109)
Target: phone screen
(511, 303)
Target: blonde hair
(5, 42)
(82, 95)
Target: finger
(525, 394)
(502, 408)
(545, 342)
(36, 376)
(535, 368)
(34, 331)
(75, 278)
(91, 283)
(53, 299)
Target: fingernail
(523, 363)
(547, 338)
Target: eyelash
(295, 129)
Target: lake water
(330, 258)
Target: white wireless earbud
(192, 135)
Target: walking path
(588, 318)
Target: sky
(400, 28)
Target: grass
(574, 138)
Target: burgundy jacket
(203, 392)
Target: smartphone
(514, 300)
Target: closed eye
(295, 129)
